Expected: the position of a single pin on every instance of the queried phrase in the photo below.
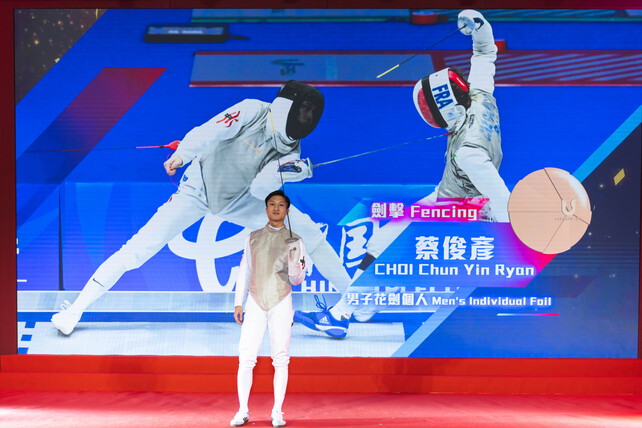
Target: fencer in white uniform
(468, 110)
(234, 160)
(269, 268)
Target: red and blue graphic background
(80, 197)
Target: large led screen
(514, 232)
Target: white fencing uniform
(234, 166)
(249, 141)
(473, 153)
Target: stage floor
(148, 409)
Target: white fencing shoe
(365, 313)
(240, 419)
(65, 321)
(277, 419)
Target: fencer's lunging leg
(176, 215)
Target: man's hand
(172, 164)
(238, 314)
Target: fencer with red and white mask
(273, 261)
(468, 110)
(234, 163)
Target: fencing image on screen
(482, 199)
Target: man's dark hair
(279, 193)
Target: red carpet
(153, 409)
(143, 391)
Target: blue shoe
(323, 321)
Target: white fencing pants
(278, 322)
(183, 209)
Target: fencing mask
(440, 98)
(296, 110)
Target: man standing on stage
(269, 268)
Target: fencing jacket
(474, 151)
(264, 268)
(230, 150)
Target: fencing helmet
(442, 98)
(296, 110)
